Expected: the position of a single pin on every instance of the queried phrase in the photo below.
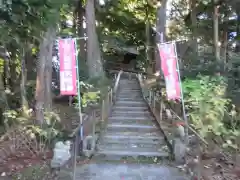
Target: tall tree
(193, 4)
(237, 48)
(44, 74)
(160, 28)
(93, 50)
(216, 30)
(79, 20)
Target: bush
(48, 132)
(209, 110)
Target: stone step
(130, 95)
(136, 99)
(130, 129)
(136, 153)
(133, 96)
(143, 139)
(129, 98)
(127, 90)
(124, 140)
(137, 122)
(146, 170)
(130, 103)
(128, 81)
(131, 118)
(130, 90)
(130, 113)
(128, 86)
(133, 147)
(135, 89)
(133, 126)
(137, 134)
(130, 108)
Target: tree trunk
(161, 21)
(161, 31)
(216, 32)
(194, 26)
(225, 47)
(237, 48)
(148, 42)
(48, 72)
(93, 51)
(13, 76)
(148, 46)
(23, 83)
(6, 60)
(4, 82)
(30, 64)
(43, 82)
(80, 31)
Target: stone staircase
(131, 130)
(132, 146)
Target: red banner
(67, 57)
(169, 67)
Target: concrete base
(107, 171)
(89, 145)
(179, 148)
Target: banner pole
(181, 92)
(79, 100)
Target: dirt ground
(208, 163)
(23, 161)
(211, 163)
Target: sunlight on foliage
(208, 108)
(48, 131)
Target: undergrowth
(210, 111)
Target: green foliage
(208, 108)
(83, 69)
(90, 98)
(36, 15)
(93, 91)
(48, 131)
(51, 130)
(206, 103)
(124, 21)
(1, 65)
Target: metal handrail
(106, 105)
(117, 81)
(110, 96)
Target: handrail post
(109, 100)
(111, 93)
(130, 76)
(103, 104)
(154, 101)
(93, 128)
(106, 105)
(161, 110)
(117, 81)
(150, 97)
